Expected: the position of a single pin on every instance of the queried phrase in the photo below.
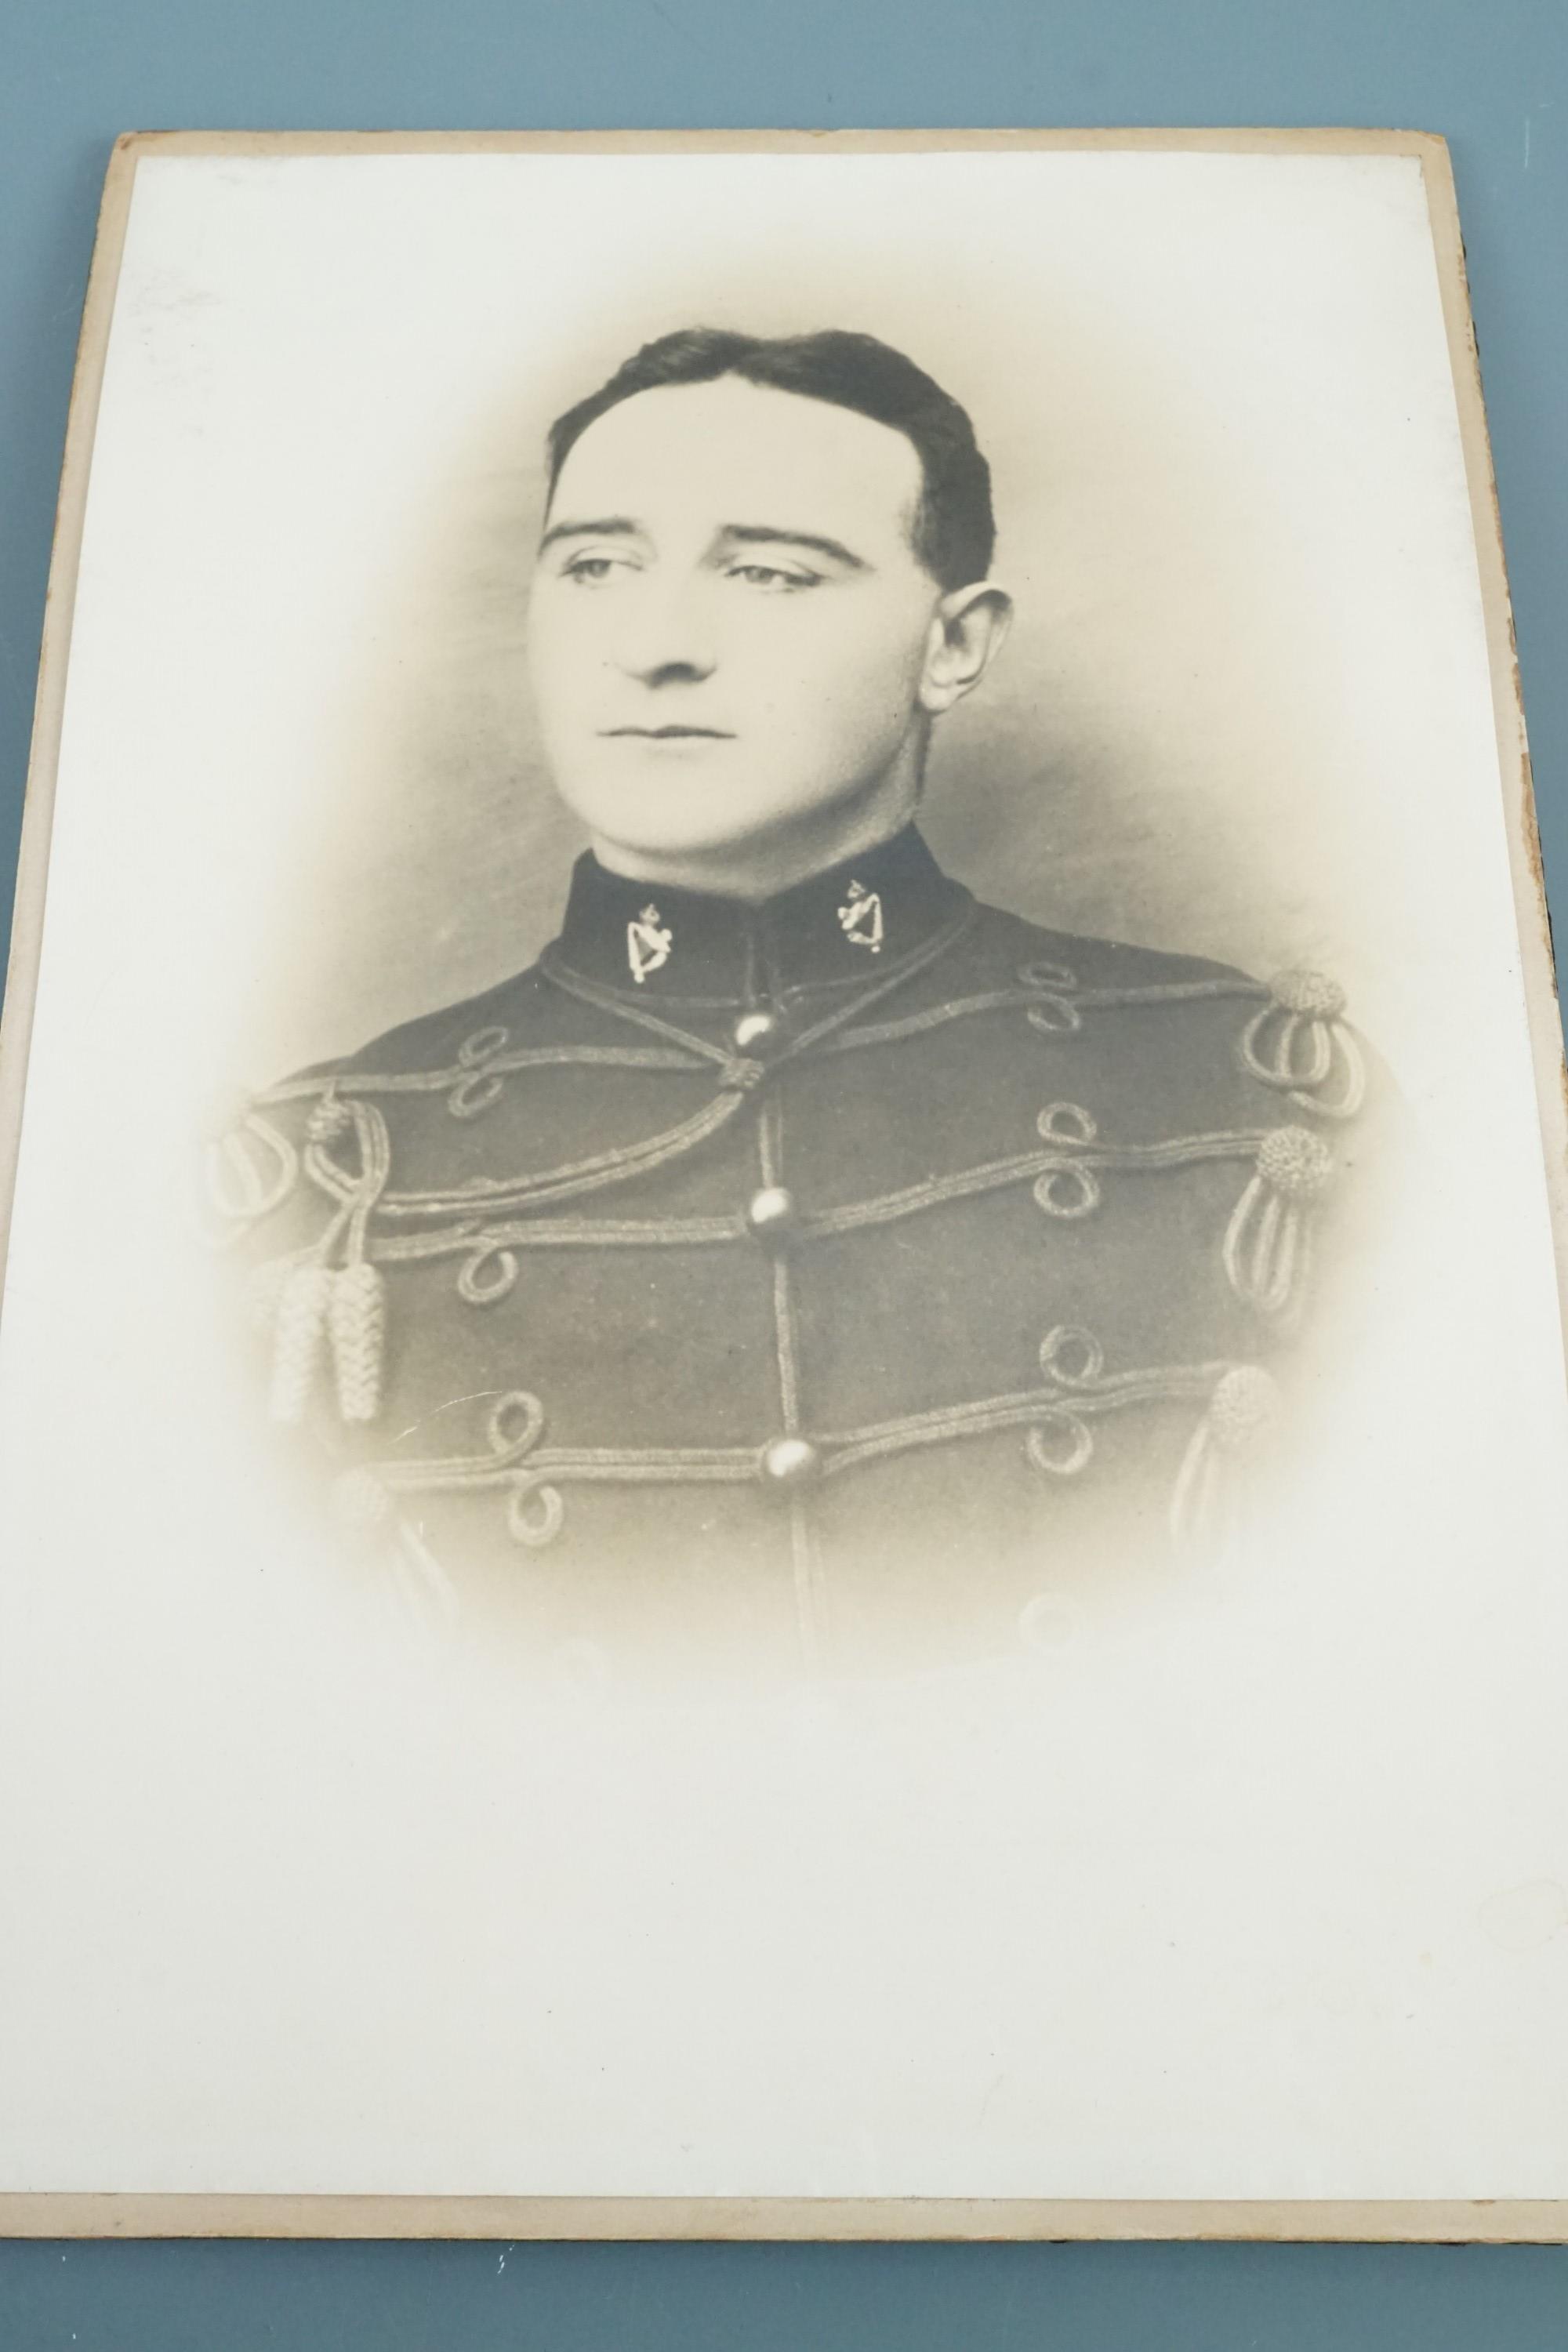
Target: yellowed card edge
(1324, 140)
(1534, 922)
(789, 2219)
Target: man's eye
(770, 576)
(589, 568)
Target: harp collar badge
(860, 917)
(648, 943)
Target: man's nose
(665, 635)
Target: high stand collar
(852, 925)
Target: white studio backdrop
(1256, 1891)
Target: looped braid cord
(534, 1513)
(474, 1094)
(1080, 1198)
(483, 1086)
(1208, 1497)
(1057, 979)
(251, 1170)
(1062, 1344)
(483, 1045)
(487, 1275)
(343, 1308)
(1300, 1043)
(1076, 1454)
(1266, 1249)
(1058, 1017)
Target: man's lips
(671, 734)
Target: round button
(790, 1462)
(755, 1032)
(771, 1213)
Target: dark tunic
(838, 1277)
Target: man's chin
(713, 824)
(661, 820)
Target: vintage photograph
(799, 1240)
(781, 1392)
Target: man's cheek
(571, 684)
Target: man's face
(729, 626)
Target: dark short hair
(954, 530)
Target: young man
(798, 1255)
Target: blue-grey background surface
(1492, 75)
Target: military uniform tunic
(829, 1277)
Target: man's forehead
(721, 445)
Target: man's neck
(761, 867)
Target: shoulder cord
(1055, 992)
(460, 1072)
(341, 1311)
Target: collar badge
(860, 917)
(648, 942)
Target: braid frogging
(298, 1340)
(357, 1322)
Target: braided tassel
(263, 1293)
(358, 1324)
(1301, 1042)
(1268, 1244)
(1243, 1412)
(299, 1333)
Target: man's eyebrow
(766, 534)
(605, 527)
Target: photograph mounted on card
(782, 1396)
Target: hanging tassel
(299, 1336)
(1204, 1502)
(1267, 1243)
(263, 1292)
(360, 1502)
(1301, 1044)
(358, 1323)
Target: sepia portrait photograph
(782, 1398)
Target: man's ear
(967, 630)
